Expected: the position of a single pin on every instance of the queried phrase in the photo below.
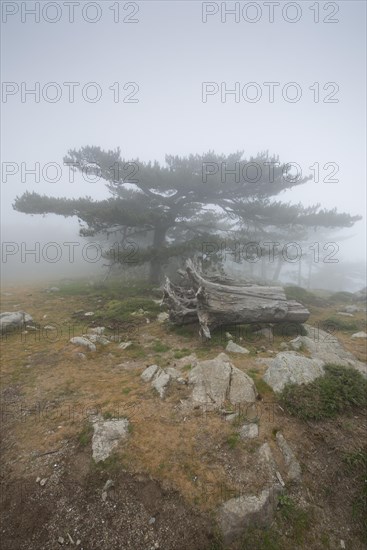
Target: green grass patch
(112, 289)
(128, 309)
(186, 331)
(135, 351)
(340, 390)
(298, 519)
(159, 347)
(342, 297)
(333, 324)
(112, 464)
(187, 367)
(85, 436)
(304, 296)
(233, 440)
(357, 466)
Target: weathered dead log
(182, 304)
(219, 304)
(214, 304)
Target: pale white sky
(170, 52)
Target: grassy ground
(48, 393)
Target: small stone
(49, 327)
(80, 341)
(97, 339)
(342, 543)
(280, 479)
(125, 345)
(115, 338)
(97, 330)
(360, 334)
(235, 348)
(109, 483)
(151, 521)
(104, 496)
(162, 317)
(229, 336)
(89, 314)
(60, 540)
(43, 481)
(249, 431)
(266, 332)
(352, 309)
(78, 542)
(38, 479)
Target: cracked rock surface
(217, 380)
(107, 435)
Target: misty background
(169, 53)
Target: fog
(157, 57)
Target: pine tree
(186, 203)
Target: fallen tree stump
(214, 304)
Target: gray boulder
(107, 435)
(160, 383)
(235, 348)
(159, 378)
(290, 367)
(352, 309)
(14, 319)
(217, 380)
(294, 468)
(249, 431)
(97, 339)
(84, 342)
(149, 373)
(237, 514)
(360, 334)
(326, 347)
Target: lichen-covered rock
(360, 334)
(249, 431)
(217, 380)
(294, 468)
(239, 513)
(235, 348)
(326, 347)
(84, 342)
(14, 319)
(107, 435)
(148, 374)
(161, 382)
(290, 367)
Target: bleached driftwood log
(214, 304)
